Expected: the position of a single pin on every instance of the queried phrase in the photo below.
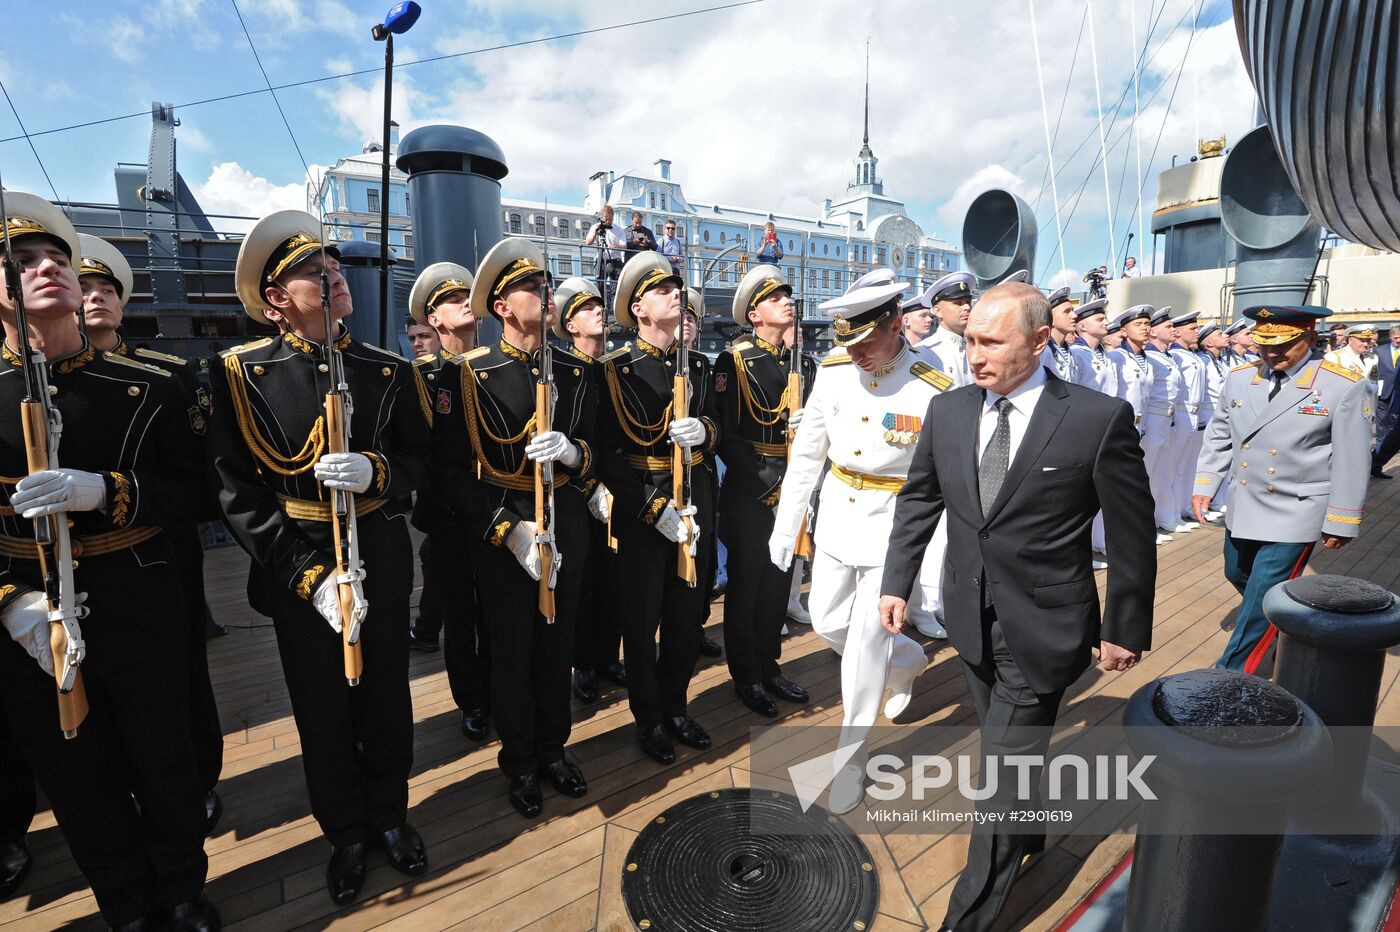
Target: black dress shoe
(525, 795)
(709, 647)
(585, 686)
(475, 724)
(144, 924)
(196, 915)
(1377, 474)
(422, 642)
(616, 672)
(687, 731)
(405, 849)
(345, 874)
(784, 688)
(756, 698)
(213, 811)
(717, 592)
(15, 863)
(565, 777)
(656, 745)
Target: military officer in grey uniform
(1093, 366)
(1057, 357)
(1190, 425)
(951, 300)
(1295, 433)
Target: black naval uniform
(357, 741)
(750, 384)
(125, 791)
(634, 462)
(484, 416)
(206, 732)
(449, 602)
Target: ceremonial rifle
(550, 557)
(803, 547)
(680, 458)
(344, 529)
(43, 427)
(607, 305)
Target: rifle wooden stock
(680, 404)
(542, 515)
(345, 593)
(612, 538)
(803, 547)
(72, 704)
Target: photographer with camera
(610, 258)
(639, 238)
(1094, 278)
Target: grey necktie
(995, 457)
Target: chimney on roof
(393, 135)
(663, 169)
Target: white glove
(327, 602)
(521, 542)
(670, 526)
(600, 503)
(780, 548)
(553, 447)
(27, 621)
(350, 472)
(794, 419)
(55, 490)
(688, 432)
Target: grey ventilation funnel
(999, 235)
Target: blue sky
(758, 105)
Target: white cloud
(232, 189)
(192, 137)
(1070, 277)
(337, 65)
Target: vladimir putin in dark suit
(1019, 463)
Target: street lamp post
(397, 21)
(739, 243)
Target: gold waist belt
(90, 545)
(778, 450)
(300, 509)
(860, 480)
(658, 463)
(522, 483)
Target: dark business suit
(1031, 553)
(1387, 409)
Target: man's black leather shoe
(213, 811)
(786, 689)
(687, 731)
(525, 795)
(345, 874)
(585, 686)
(15, 863)
(565, 777)
(405, 849)
(196, 915)
(656, 745)
(709, 647)
(616, 672)
(475, 724)
(756, 698)
(423, 642)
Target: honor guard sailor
(751, 387)
(1241, 348)
(268, 443)
(650, 449)
(1190, 425)
(1211, 342)
(597, 623)
(864, 416)
(124, 788)
(1292, 437)
(1093, 366)
(708, 574)
(1058, 358)
(951, 300)
(1162, 443)
(520, 420)
(450, 604)
(106, 281)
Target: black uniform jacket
(750, 386)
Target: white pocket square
(1048, 468)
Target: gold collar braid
(296, 464)
(476, 424)
(757, 410)
(624, 416)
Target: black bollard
(1335, 632)
(1214, 733)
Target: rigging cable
(1049, 147)
(29, 139)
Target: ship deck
(491, 869)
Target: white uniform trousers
(1186, 471)
(927, 603)
(844, 602)
(1184, 434)
(1157, 453)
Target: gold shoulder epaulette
(742, 342)
(246, 347)
(1248, 365)
(837, 357)
(379, 349)
(164, 357)
(1340, 370)
(144, 367)
(475, 354)
(622, 350)
(427, 359)
(935, 377)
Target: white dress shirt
(1023, 398)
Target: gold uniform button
(534, 370)
(1273, 453)
(485, 376)
(1244, 465)
(626, 369)
(1244, 482)
(1270, 470)
(1246, 446)
(852, 500)
(1269, 488)
(386, 371)
(322, 367)
(259, 370)
(578, 372)
(864, 419)
(432, 376)
(53, 389)
(874, 384)
(133, 390)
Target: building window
(515, 223)
(663, 200)
(373, 195)
(680, 232)
(721, 237)
(407, 245)
(840, 280)
(406, 204)
(372, 236)
(539, 226)
(791, 275)
(880, 256)
(826, 250)
(826, 279)
(651, 199)
(707, 236)
(838, 252)
(563, 227)
(791, 247)
(812, 278)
